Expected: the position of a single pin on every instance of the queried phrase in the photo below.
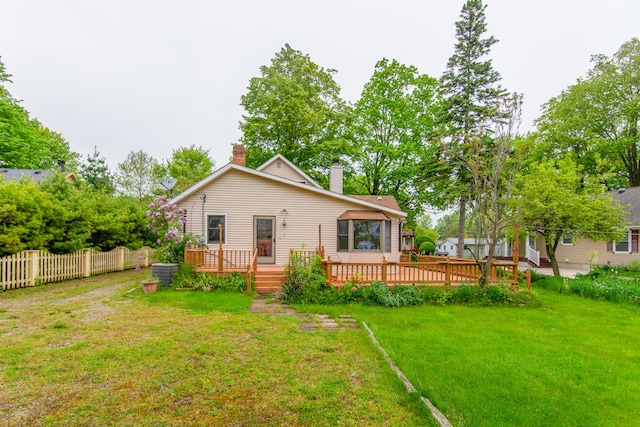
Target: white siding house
(277, 207)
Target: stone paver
(313, 323)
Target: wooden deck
(428, 271)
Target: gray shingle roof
(631, 197)
(15, 174)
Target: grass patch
(184, 358)
(218, 300)
(571, 362)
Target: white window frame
(571, 242)
(225, 226)
(628, 251)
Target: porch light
(284, 221)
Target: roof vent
(621, 190)
(378, 198)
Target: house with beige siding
(581, 252)
(277, 207)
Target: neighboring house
(37, 175)
(408, 241)
(580, 253)
(277, 207)
(473, 248)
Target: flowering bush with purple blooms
(167, 221)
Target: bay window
(364, 231)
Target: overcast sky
(158, 75)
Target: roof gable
(267, 176)
(279, 165)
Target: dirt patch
(84, 300)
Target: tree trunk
(463, 212)
(551, 251)
(486, 266)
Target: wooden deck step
(268, 281)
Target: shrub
(186, 277)
(598, 284)
(303, 284)
(427, 247)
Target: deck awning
(364, 216)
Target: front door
(265, 240)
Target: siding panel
(241, 197)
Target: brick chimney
(238, 155)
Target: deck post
(248, 279)
(329, 270)
(447, 272)
(220, 248)
(384, 269)
(493, 273)
(528, 280)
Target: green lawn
(571, 362)
(89, 353)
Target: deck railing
(533, 256)
(304, 257)
(443, 271)
(205, 259)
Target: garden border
(439, 416)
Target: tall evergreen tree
(96, 173)
(470, 86)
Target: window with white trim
(213, 230)
(624, 245)
(568, 239)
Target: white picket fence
(27, 268)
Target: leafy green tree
(24, 142)
(23, 212)
(447, 225)
(596, 121)
(554, 202)
(294, 108)
(135, 175)
(393, 118)
(471, 90)
(96, 174)
(188, 165)
(493, 166)
(114, 221)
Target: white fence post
(86, 262)
(33, 267)
(120, 251)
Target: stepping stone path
(312, 323)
